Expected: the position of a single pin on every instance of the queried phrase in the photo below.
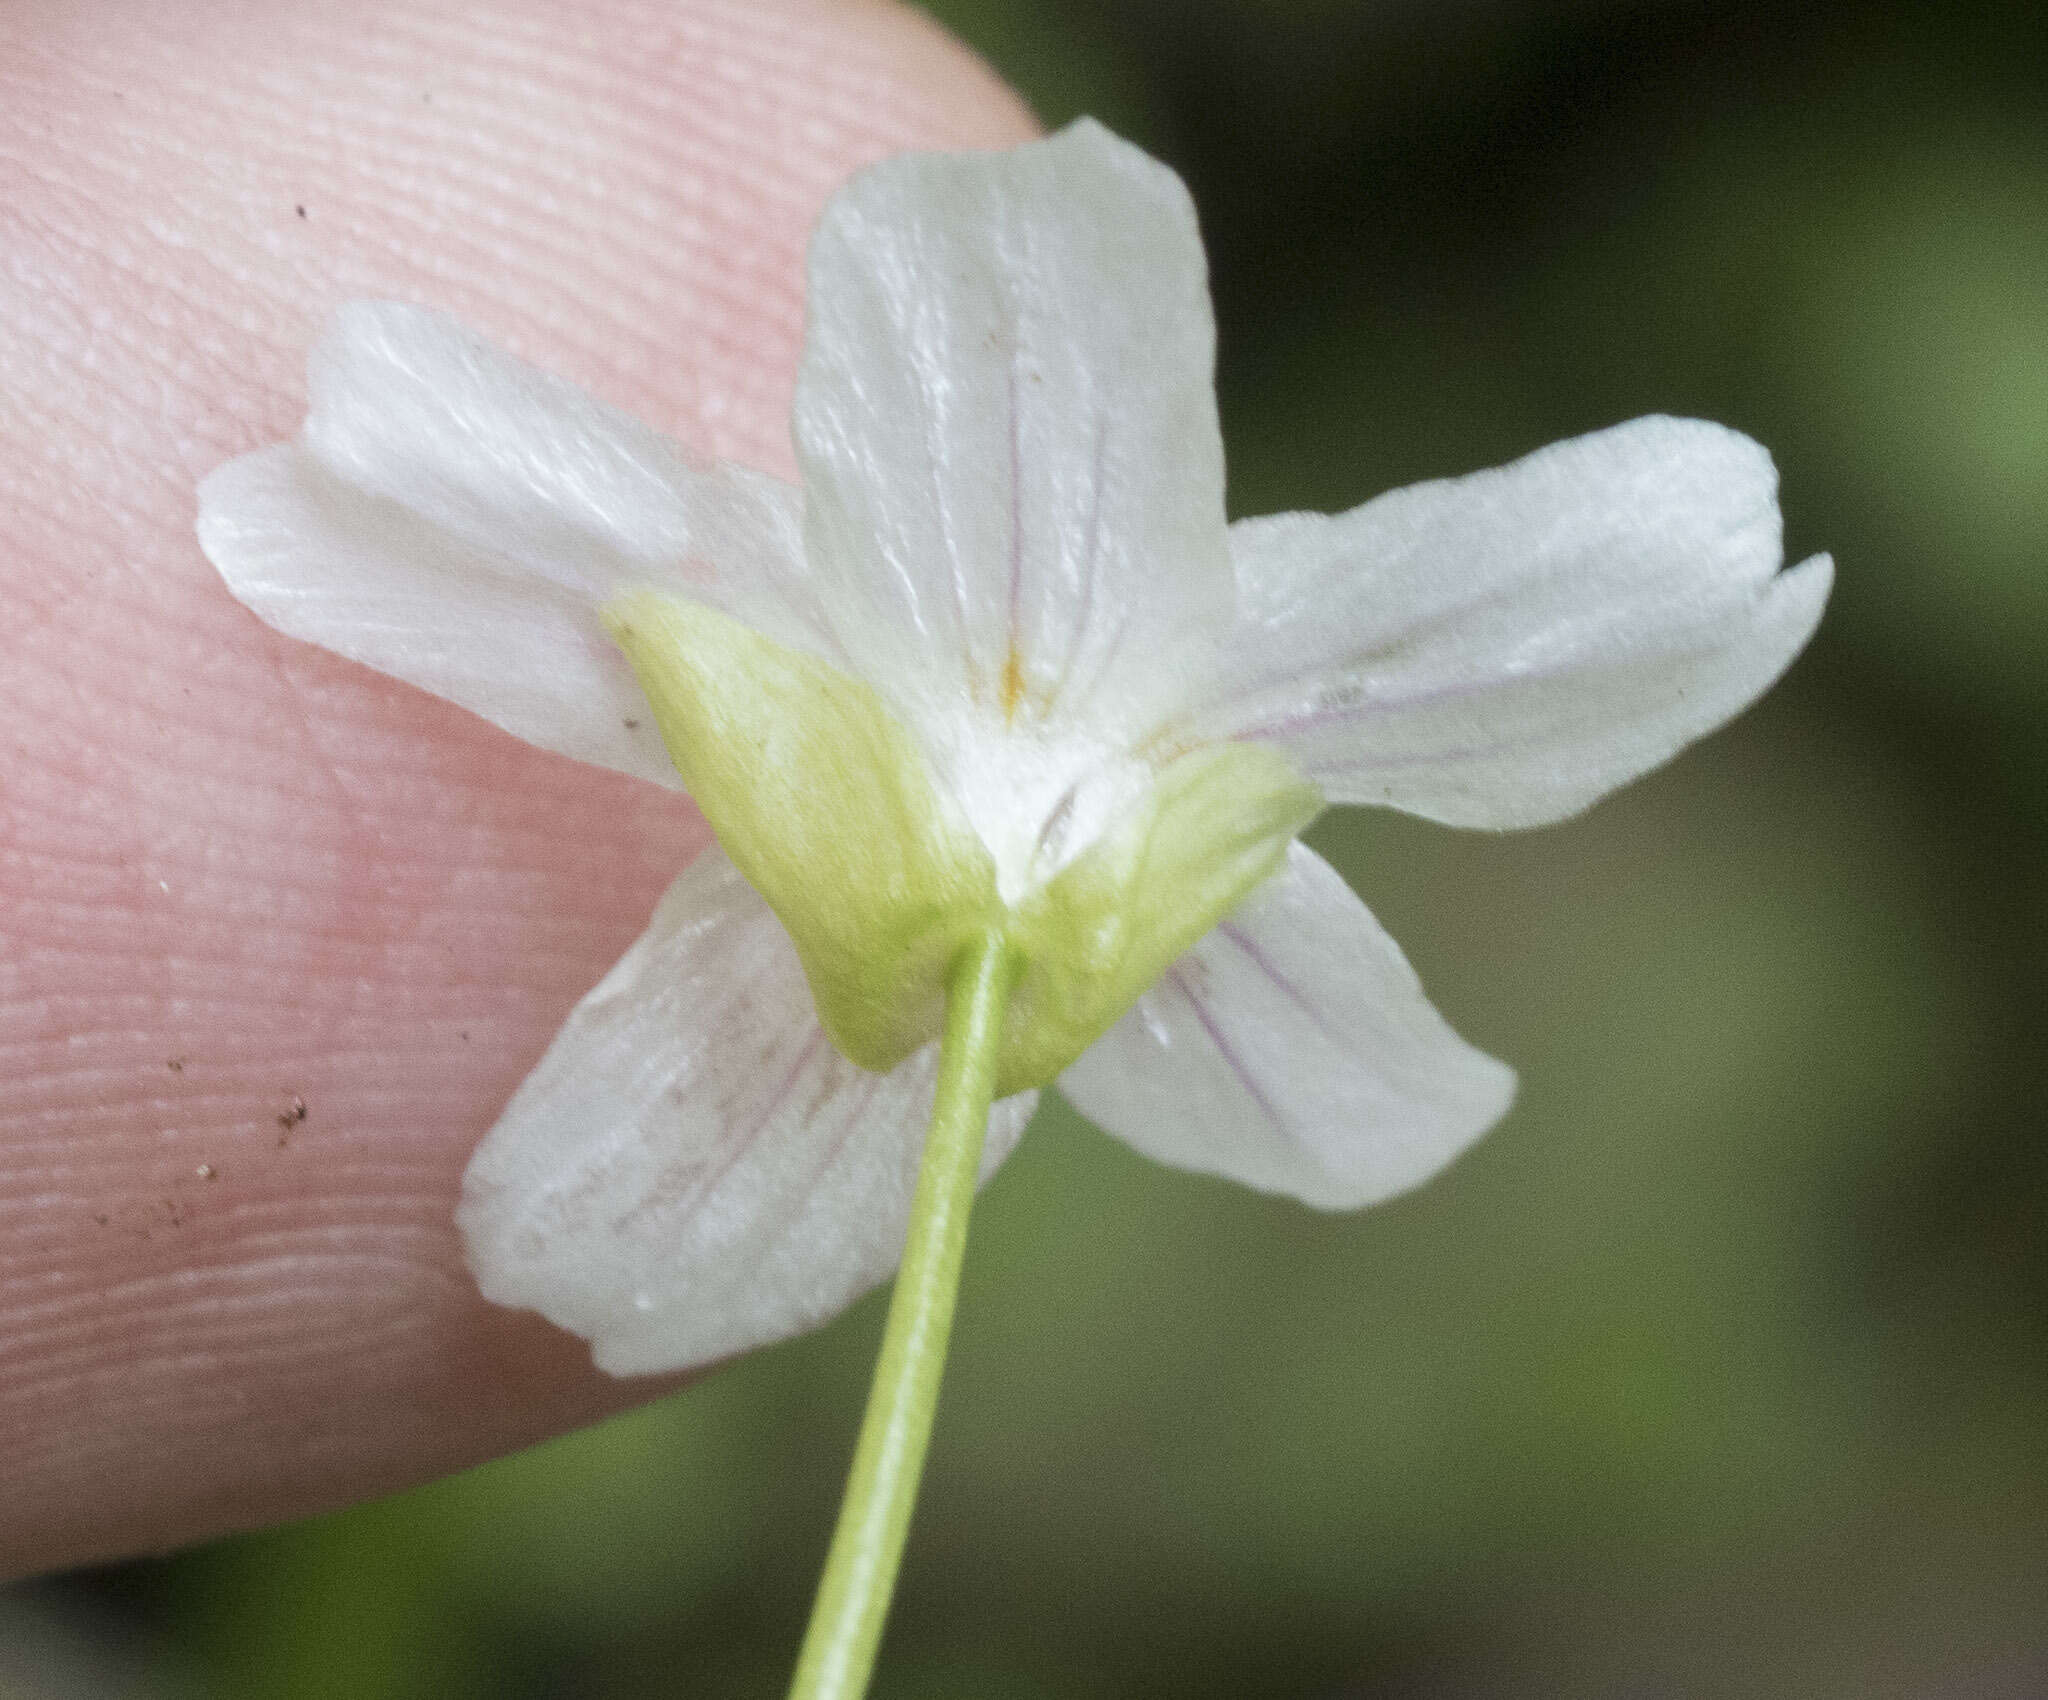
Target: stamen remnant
(1012, 688)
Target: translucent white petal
(1503, 649)
(320, 560)
(1005, 419)
(454, 517)
(691, 1169)
(1293, 1050)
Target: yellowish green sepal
(1094, 939)
(822, 800)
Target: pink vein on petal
(1090, 551)
(734, 1148)
(1328, 714)
(793, 1200)
(1265, 965)
(1231, 1059)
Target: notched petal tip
(1504, 649)
(1800, 596)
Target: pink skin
(277, 934)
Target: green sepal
(824, 802)
(1092, 940)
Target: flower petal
(1008, 435)
(692, 1169)
(455, 518)
(1503, 649)
(1293, 1050)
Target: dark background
(1721, 1369)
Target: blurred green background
(1722, 1367)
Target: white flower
(1000, 655)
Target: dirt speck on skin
(207, 1172)
(291, 1116)
(631, 724)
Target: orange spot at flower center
(1012, 686)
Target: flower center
(1036, 799)
(886, 855)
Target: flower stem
(867, 1547)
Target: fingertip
(301, 875)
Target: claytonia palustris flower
(998, 663)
